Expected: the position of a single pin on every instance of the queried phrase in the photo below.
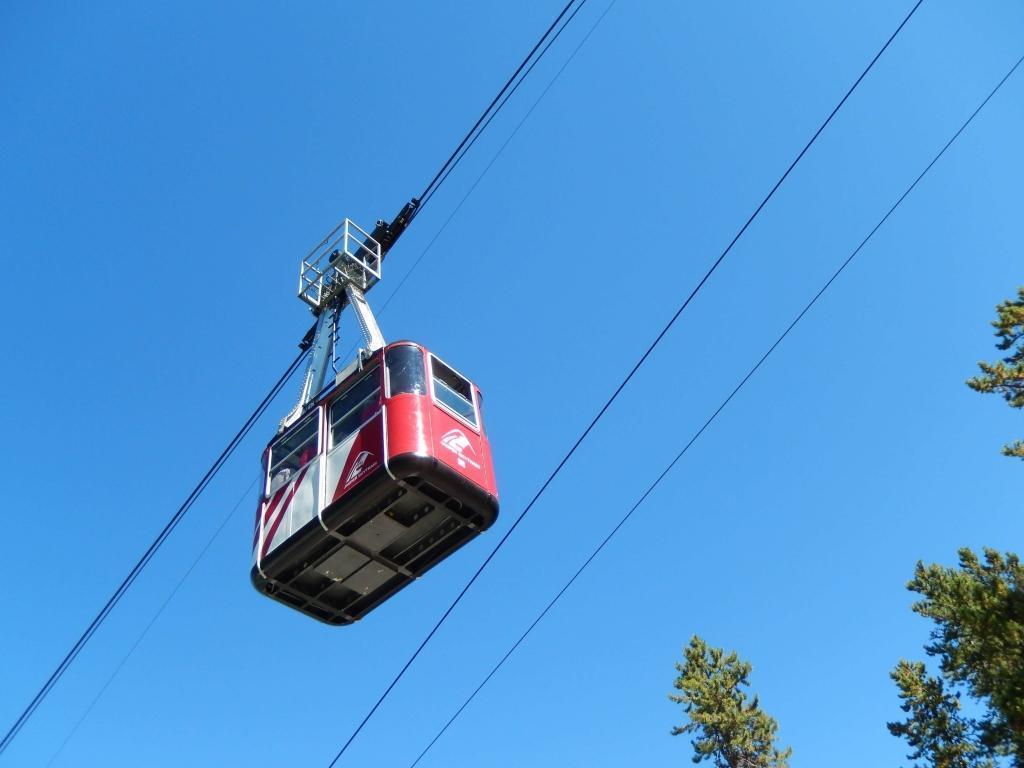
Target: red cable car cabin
(384, 475)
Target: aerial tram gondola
(382, 469)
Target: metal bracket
(337, 273)
(364, 316)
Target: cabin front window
(292, 452)
(453, 391)
(405, 371)
(354, 408)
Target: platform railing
(353, 257)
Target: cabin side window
(354, 408)
(405, 371)
(453, 391)
(293, 451)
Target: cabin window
(293, 451)
(405, 371)
(453, 391)
(354, 408)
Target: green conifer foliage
(940, 735)
(727, 728)
(1006, 376)
(978, 641)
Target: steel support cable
(494, 158)
(464, 149)
(455, 157)
(145, 631)
(143, 561)
(657, 481)
(622, 385)
(513, 82)
(469, 146)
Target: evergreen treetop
(1006, 376)
(728, 729)
(978, 641)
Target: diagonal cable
(714, 415)
(145, 631)
(622, 385)
(147, 556)
(455, 156)
(494, 158)
(426, 198)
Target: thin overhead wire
(472, 188)
(145, 630)
(619, 388)
(146, 557)
(425, 199)
(664, 473)
(470, 137)
(483, 173)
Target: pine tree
(727, 729)
(978, 641)
(1006, 377)
(940, 735)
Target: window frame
(374, 370)
(313, 416)
(474, 425)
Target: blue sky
(166, 168)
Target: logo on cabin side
(456, 441)
(364, 463)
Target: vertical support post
(321, 355)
